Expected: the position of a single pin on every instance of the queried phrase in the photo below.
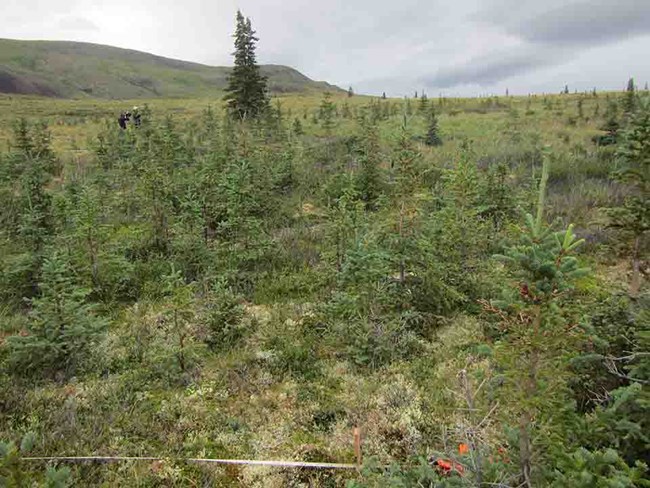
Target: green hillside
(77, 69)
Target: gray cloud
(585, 23)
(490, 69)
(551, 34)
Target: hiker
(136, 116)
(124, 118)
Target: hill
(77, 69)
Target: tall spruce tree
(433, 137)
(542, 267)
(369, 180)
(247, 88)
(326, 113)
(629, 103)
(632, 218)
(424, 104)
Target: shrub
(62, 328)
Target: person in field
(126, 117)
(123, 119)
(137, 116)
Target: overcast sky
(454, 47)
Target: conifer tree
(383, 95)
(543, 268)
(433, 138)
(62, 325)
(424, 104)
(179, 312)
(345, 215)
(247, 87)
(37, 161)
(632, 219)
(22, 137)
(326, 113)
(497, 201)
(209, 135)
(369, 182)
(297, 127)
(407, 168)
(89, 230)
(581, 114)
(350, 92)
(36, 221)
(345, 111)
(629, 102)
(406, 159)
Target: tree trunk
(635, 282)
(402, 265)
(525, 448)
(94, 267)
(530, 391)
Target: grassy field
(311, 346)
(498, 128)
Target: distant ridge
(67, 69)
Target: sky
(454, 48)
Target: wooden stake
(357, 445)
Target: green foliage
(179, 319)
(498, 203)
(295, 358)
(611, 128)
(297, 127)
(606, 469)
(406, 161)
(36, 162)
(423, 106)
(62, 329)
(268, 290)
(542, 262)
(422, 474)
(433, 138)
(462, 181)
(13, 475)
(535, 337)
(345, 217)
(223, 312)
(326, 113)
(632, 219)
(370, 183)
(612, 330)
(629, 102)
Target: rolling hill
(76, 69)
